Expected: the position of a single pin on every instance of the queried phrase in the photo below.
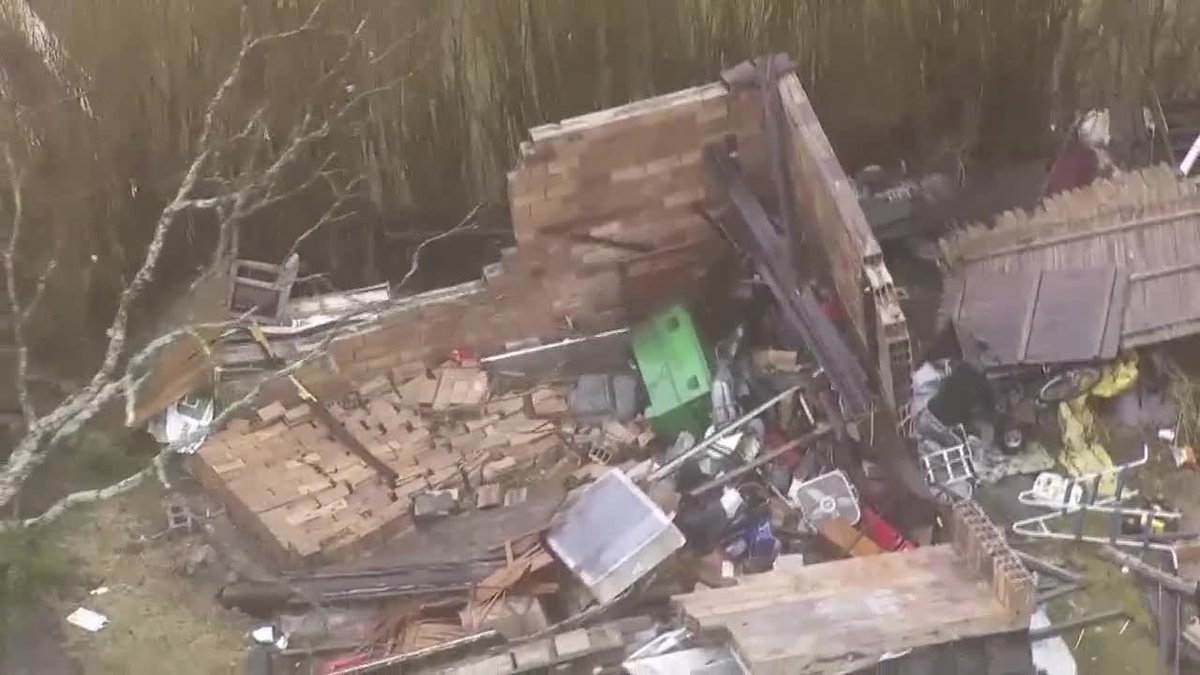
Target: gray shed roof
(1038, 316)
(1146, 224)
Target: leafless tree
(240, 170)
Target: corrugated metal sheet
(1146, 224)
(1042, 316)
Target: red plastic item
(464, 356)
(343, 662)
(788, 461)
(882, 532)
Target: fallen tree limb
(233, 176)
(156, 465)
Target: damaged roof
(1038, 316)
(1145, 224)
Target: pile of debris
(709, 478)
(320, 482)
(478, 517)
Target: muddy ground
(163, 617)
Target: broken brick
(271, 412)
(489, 496)
(374, 387)
(300, 413)
(493, 471)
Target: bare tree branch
(234, 173)
(127, 385)
(469, 221)
(10, 277)
(331, 215)
(125, 485)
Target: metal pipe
(396, 659)
(1053, 593)
(533, 349)
(1050, 631)
(1167, 580)
(1046, 567)
(1185, 167)
(813, 435)
(670, 467)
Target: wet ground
(1116, 647)
(160, 598)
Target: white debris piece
(87, 619)
(184, 425)
(264, 635)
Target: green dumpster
(675, 371)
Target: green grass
(30, 562)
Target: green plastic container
(676, 374)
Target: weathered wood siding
(832, 219)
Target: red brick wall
(632, 174)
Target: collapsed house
(495, 398)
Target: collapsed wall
(605, 212)
(619, 192)
(606, 209)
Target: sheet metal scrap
(747, 223)
(613, 535)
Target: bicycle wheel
(1069, 384)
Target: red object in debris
(343, 662)
(788, 461)
(1076, 166)
(882, 532)
(464, 356)
(833, 310)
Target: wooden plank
(848, 539)
(834, 617)
(917, 566)
(613, 117)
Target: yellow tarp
(1082, 451)
(1117, 376)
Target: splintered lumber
(839, 616)
(848, 538)
(532, 560)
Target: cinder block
(532, 655)
(572, 643)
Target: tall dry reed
(979, 80)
